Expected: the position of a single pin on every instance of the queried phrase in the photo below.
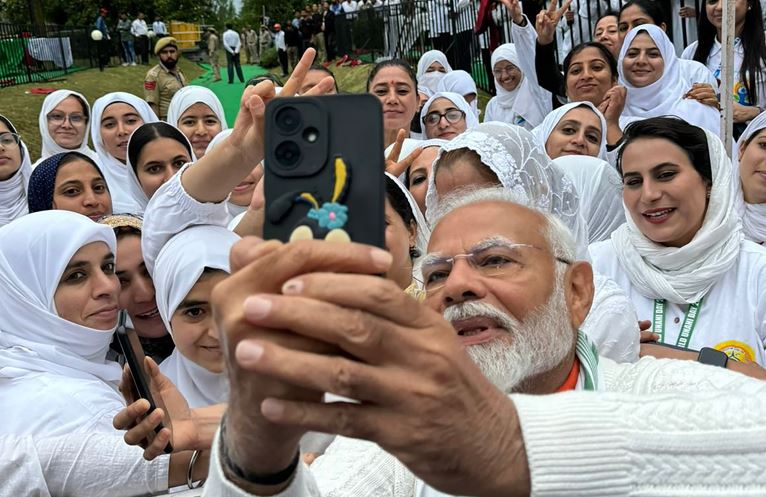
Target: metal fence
(32, 53)
(408, 28)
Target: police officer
(165, 79)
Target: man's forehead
(470, 225)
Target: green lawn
(23, 108)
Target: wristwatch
(713, 357)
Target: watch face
(713, 357)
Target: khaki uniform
(213, 45)
(160, 85)
(251, 37)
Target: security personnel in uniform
(165, 79)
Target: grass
(23, 107)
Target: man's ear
(579, 291)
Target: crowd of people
(571, 299)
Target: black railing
(32, 53)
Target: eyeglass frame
(443, 115)
(66, 117)
(505, 70)
(16, 138)
(470, 258)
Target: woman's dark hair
(83, 104)
(317, 67)
(12, 129)
(399, 202)
(401, 64)
(43, 179)
(688, 137)
(608, 57)
(149, 132)
(652, 8)
(608, 13)
(264, 77)
(753, 46)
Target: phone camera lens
(288, 154)
(288, 119)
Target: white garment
(544, 130)
(732, 317)
(159, 28)
(528, 104)
(279, 40)
(438, 18)
(600, 188)
(431, 79)
(231, 41)
(190, 95)
(138, 28)
(13, 191)
(177, 269)
(714, 65)
(460, 82)
(664, 97)
(50, 147)
(115, 171)
(134, 185)
(683, 275)
(471, 120)
(631, 456)
(54, 375)
(753, 215)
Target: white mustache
(473, 309)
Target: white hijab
(600, 188)
(753, 215)
(521, 165)
(134, 186)
(431, 79)
(526, 105)
(34, 251)
(424, 231)
(50, 147)
(13, 191)
(116, 172)
(177, 269)
(544, 130)
(460, 82)
(190, 95)
(664, 97)
(471, 121)
(686, 274)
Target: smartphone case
(324, 169)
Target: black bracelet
(268, 479)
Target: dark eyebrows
(658, 166)
(75, 264)
(186, 304)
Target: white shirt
(138, 28)
(732, 317)
(231, 41)
(159, 28)
(439, 21)
(279, 40)
(611, 440)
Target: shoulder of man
(152, 75)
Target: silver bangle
(189, 481)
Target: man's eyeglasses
(9, 139)
(492, 259)
(58, 118)
(452, 116)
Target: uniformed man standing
(165, 79)
(213, 45)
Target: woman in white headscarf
(59, 312)
(15, 170)
(115, 117)
(750, 180)
(519, 99)
(600, 189)
(446, 115)
(681, 256)
(496, 154)
(197, 112)
(652, 74)
(432, 67)
(462, 83)
(577, 128)
(184, 273)
(64, 124)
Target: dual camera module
(290, 124)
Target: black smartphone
(134, 358)
(324, 169)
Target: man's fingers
(157, 446)
(126, 418)
(299, 73)
(144, 430)
(248, 250)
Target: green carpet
(228, 94)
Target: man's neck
(549, 381)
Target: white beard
(535, 346)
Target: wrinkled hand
(393, 165)
(179, 428)
(704, 94)
(420, 396)
(744, 113)
(547, 20)
(613, 103)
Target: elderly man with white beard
(311, 317)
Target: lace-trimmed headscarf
(521, 165)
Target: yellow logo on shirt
(739, 351)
